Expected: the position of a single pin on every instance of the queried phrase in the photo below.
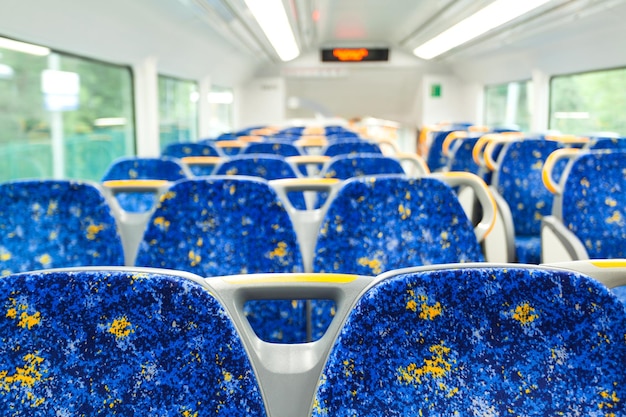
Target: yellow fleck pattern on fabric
(168, 196)
(5, 256)
(426, 311)
(45, 259)
(189, 413)
(162, 223)
(280, 251)
(52, 208)
(26, 321)
(608, 403)
(194, 258)
(121, 328)
(615, 218)
(405, 212)
(26, 376)
(610, 202)
(437, 366)
(525, 314)
(374, 264)
(232, 189)
(93, 230)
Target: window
(62, 116)
(178, 110)
(588, 103)
(508, 105)
(221, 103)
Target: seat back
(360, 164)
(435, 159)
(593, 203)
(379, 223)
(56, 223)
(120, 342)
(223, 226)
(134, 168)
(351, 147)
(519, 181)
(182, 150)
(274, 147)
(478, 340)
(266, 166)
(220, 226)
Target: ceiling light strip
(495, 14)
(24, 47)
(272, 17)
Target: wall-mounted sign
(435, 90)
(355, 54)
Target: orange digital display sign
(355, 54)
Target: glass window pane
(221, 101)
(178, 110)
(509, 105)
(62, 116)
(589, 103)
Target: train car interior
(313, 208)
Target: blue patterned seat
(135, 168)
(375, 224)
(224, 226)
(358, 165)
(593, 205)
(55, 223)
(266, 166)
(435, 159)
(182, 150)
(461, 156)
(128, 343)
(478, 341)
(519, 182)
(273, 147)
(349, 147)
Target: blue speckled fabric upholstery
(272, 147)
(132, 168)
(521, 186)
(435, 158)
(608, 143)
(620, 293)
(528, 249)
(145, 169)
(360, 164)
(379, 223)
(220, 226)
(182, 150)
(461, 158)
(266, 166)
(136, 202)
(225, 226)
(479, 342)
(53, 224)
(94, 343)
(594, 203)
(351, 147)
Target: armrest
(413, 164)
(288, 374)
(306, 222)
(558, 243)
(610, 272)
(499, 245)
(546, 174)
(483, 195)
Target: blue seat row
(226, 225)
(448, 340)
